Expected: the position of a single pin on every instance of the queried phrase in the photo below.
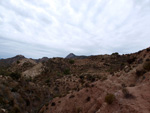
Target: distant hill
(73, 56)
(41, 59)
(9, 61)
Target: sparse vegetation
(109, 99)
(4, 71)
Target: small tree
(115, 54)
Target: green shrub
(109, 99)
(146, 66)
(115, 54)
(67, 71)
(71, 61)
(18, 61)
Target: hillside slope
(64, 85)
(129, 87)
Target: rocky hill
(94, 84)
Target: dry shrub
(146, 66)
(109, 99)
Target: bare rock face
(34, 71)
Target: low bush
(126, 93)
(71, 96)
(131, 60)
(109, 99)
(146, 66)
(88, 99)
(81, 77)
(90, 78)
(18, 61)
(67, 71)
(71, 61)
(15, 75)
(140, 72)
(115, 54)
(148, 49)
(15, 109)
(4, 71)
(53, 104)
(47, 81)
(131, 85)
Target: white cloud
(55, 28)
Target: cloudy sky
(52, 28)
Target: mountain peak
(19, 56)
(71, 55)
